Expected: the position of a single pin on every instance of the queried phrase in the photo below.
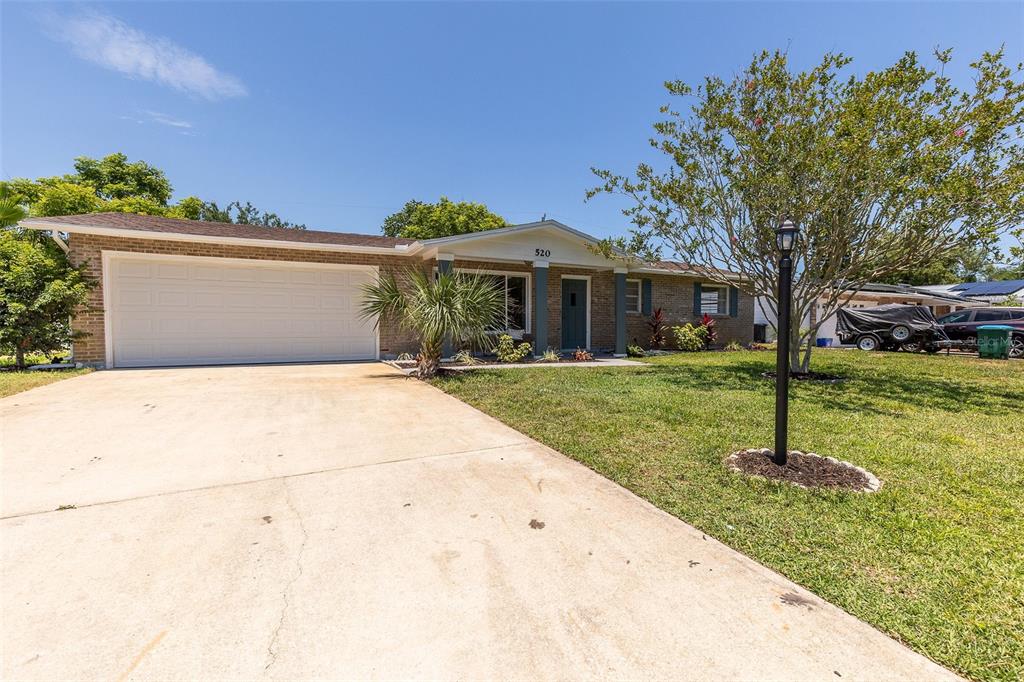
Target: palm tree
(453, 305)
(11, 210)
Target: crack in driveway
(272, 645)
(298, 474)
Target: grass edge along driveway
(935, 559)
(12, 382)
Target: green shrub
(508, 351)
(635, 351)
(734, 345)
(464, 357)
(690, 338)
(550, 356)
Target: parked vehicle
(962, 326)
(890, 327)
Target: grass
(935, 559)
(16, 382)
(31, 358)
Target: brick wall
(87, 249)
(674, 295)
(602, 301)
(671, 292)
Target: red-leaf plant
(659, 328)
(708, 323)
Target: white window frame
(715, 287)
(514, 333)
(639, 297)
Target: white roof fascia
(212, 239)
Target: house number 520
(542, 252)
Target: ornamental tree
(883, 172)
(39, 288)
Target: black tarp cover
(853, 321)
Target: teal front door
(574, 313)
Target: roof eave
(514, 229)
(209, 239)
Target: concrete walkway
(342, 521)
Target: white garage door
(193, 311)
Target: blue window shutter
(645, 296)
(696, 299)
(734, 302)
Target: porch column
(540, 307)
(445, 263)
(620, 312)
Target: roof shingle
(157, 224)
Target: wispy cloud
(164, 119)
(113, 44)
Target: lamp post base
(803, 469)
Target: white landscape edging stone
(873, 484)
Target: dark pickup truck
(962, 326)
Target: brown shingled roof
(677, 266)
(148, 223)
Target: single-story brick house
(183, 292)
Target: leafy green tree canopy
(114, 177)
(882, 172)
(968, 263)
(242, 214)
(420, 220)
(39, 288)
(114, 183)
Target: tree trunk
(805, 362)
(429, 359)
(794, 348)
(19, 357)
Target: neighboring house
(871, 295)
(181, 292)
(989, 292)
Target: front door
(574, 313)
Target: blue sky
(335, 114)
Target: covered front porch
(559, 295)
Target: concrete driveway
(342, 521)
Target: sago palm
(460, 306)
(11, 210)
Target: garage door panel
(169, 298)
(273, 276)
(241, 275)
(335, 303)
(134, 297)
(172, 271)
(210, 273)
(135, 269)
(179, 312)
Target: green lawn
(16, 382)
(936, 558)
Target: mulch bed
(817, 377)
(805, 469)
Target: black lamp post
(785, 237)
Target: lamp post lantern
(785, 237)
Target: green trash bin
(994, 341)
